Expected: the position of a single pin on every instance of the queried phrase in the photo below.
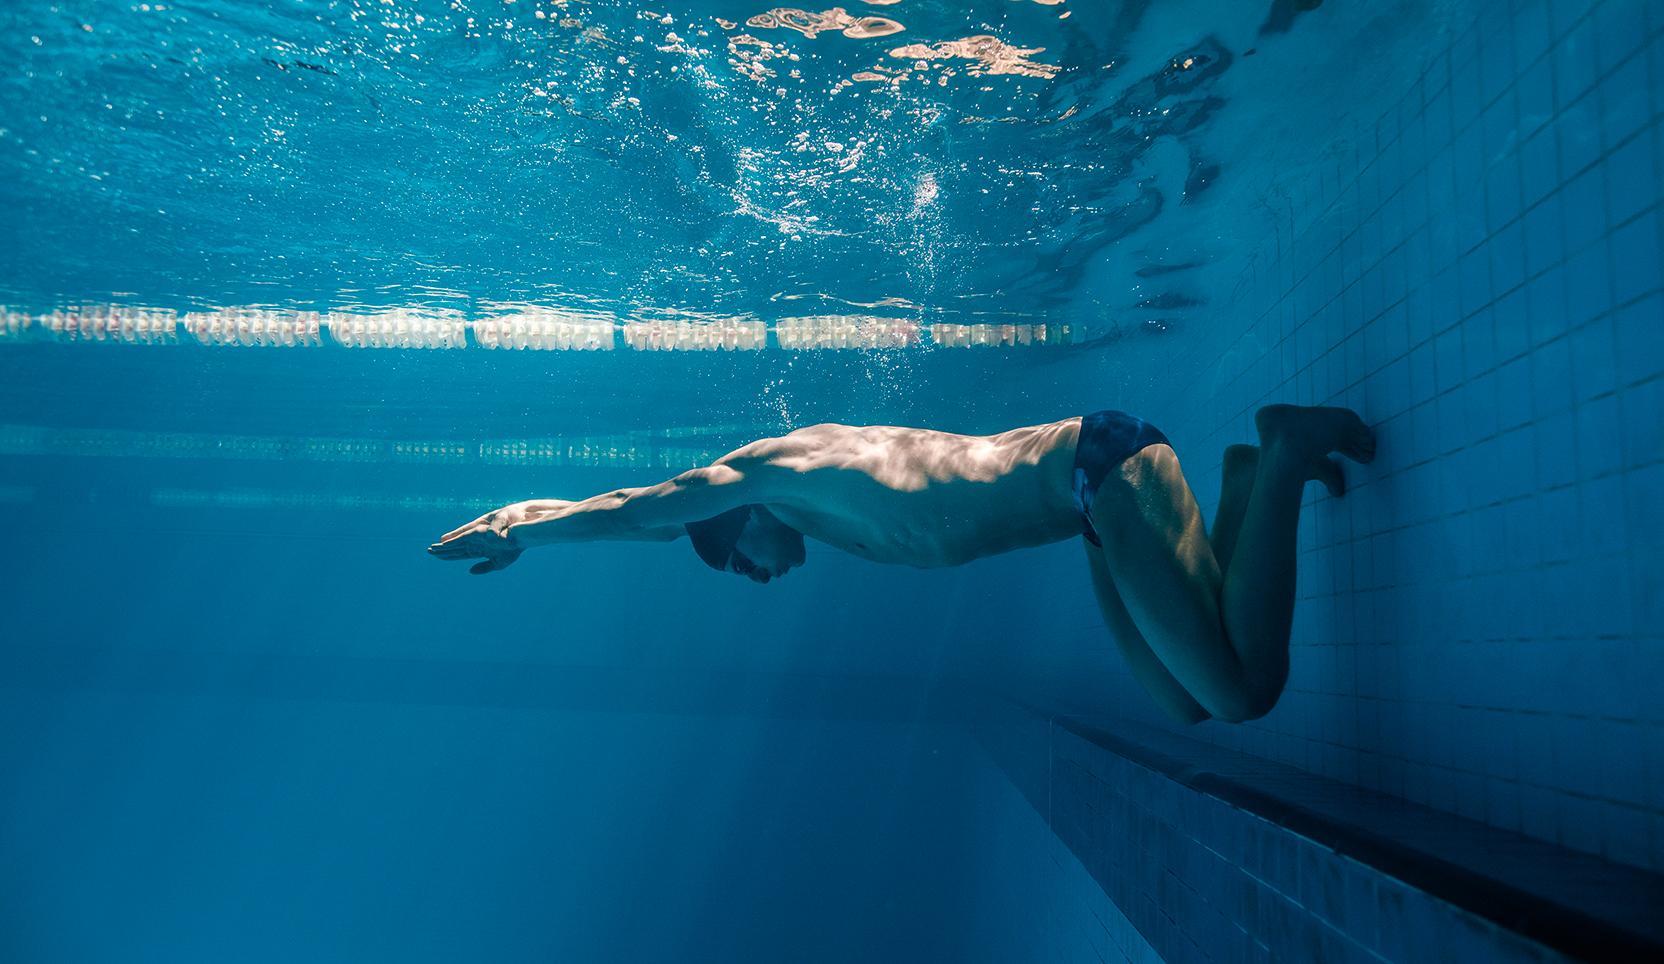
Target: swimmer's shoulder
(812, 446)
(821, 431)
(764, 451)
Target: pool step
(1218, 856)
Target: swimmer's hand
(495, 537)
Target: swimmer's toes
(1359, 443)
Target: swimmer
(1203, 620)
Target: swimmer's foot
(1310, 433)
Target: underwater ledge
(1215, 855)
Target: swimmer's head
(748, 541)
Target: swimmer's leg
(1237, 483)
(1222, 635)
(1146, 668)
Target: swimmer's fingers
(482, 524)
(464, 532)
(468, 545)
(497, 550)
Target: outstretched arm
(652, 513)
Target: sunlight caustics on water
(912, 165)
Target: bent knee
(1242, 704)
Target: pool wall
(1033, 898)
(1480, 625)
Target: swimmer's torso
(923, 498)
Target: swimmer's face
(767, 548)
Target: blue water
(244, 717)
(639, 159)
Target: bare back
(923, 498)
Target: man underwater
(1203, 621)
